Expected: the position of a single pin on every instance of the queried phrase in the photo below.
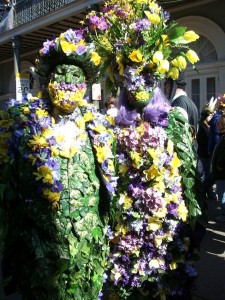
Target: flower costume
(52, 219)
(156, 205)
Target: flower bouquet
(137, 37)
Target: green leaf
(176, 32)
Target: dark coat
(218, 160)
(202, 140)
(188, 105)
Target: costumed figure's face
(140, 86)
(67, 88)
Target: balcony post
(16, 53)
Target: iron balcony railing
(29, 10)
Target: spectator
(214, 134)
(218, 167)
(204, 158)
(175, 91)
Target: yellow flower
(182, 211)
(142, 96)
(155, 263)
(154, 224)
(180, 62)
(136, 56)
(52, 197)
(174, 73)
(103, 153)
(192, 56)
(163, 66)
(100, 128)
(157, 56)
(37, 142)
(153, 18)
(175, 163)
(170, 147)
(173, 265)
(67, 47)
(26, 110)
(88, 116)
(126, 201)
(41, 113)
(96, 58)
(152, 172)
(121, 229)
(68, 152)
(190, 36)
(135, 157)
(119, 59)
(45, 174)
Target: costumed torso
(55, 244)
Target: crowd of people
(108, 205)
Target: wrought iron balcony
(29, 10)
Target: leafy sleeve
(179, 132)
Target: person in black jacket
(218, 167)
(175, 91)
(204, 158)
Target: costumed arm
(179, 132)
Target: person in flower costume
(53, 224)
(156, 207)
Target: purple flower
(81, 49)
(143, 24)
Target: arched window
(205, 50)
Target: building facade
(26, 24)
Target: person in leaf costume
(53, 224)
(157, 214)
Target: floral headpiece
(136, 43)
(69, 48)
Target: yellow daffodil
(182, 211)
(190, 36)
(68, 152)
(88, 116)
(119, 60)
(192, 56)
(136, 56)
(180, 62)
(174, 73)
(37, 142)
(44, 174)
(175, 163)
(67, 47)
(152, 172)
(170, 146)
(126, 201)
(136, 158)
(157, 56)
(155, 263)
(142, 96)
(154, 224)
(152, 17)
(99, 128)
(163, 66)
(96, 58)
(103, 153)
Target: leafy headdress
(65, 65)
(68, 48)
(138, 45)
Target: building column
(16, 53)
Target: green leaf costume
(56, 249)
